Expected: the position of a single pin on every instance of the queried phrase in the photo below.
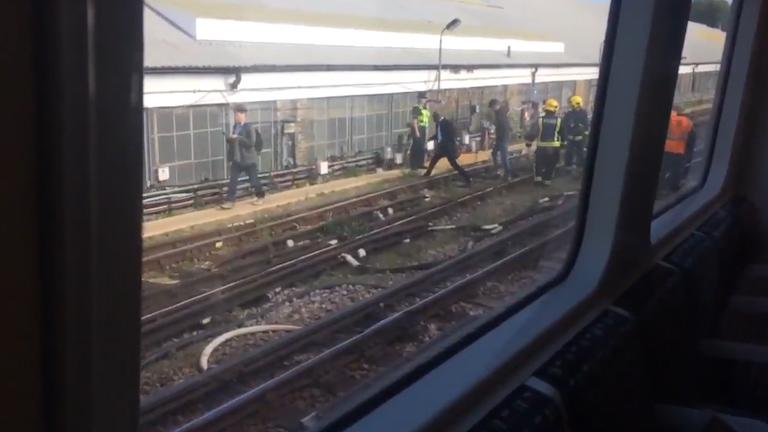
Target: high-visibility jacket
(425, 117)
(549, 131)
(680, 127)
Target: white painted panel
(249, 31)
(174, 82)
(169, 90)
(708, 68)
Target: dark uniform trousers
(574, 152)
(418, 149)
(672, 171)
(546, 161)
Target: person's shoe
(537, 179)
(257, 202)
(227, 205)
(547, 182)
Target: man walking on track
(445, 136)
(503, 136)
(681, 137)
(243, 147)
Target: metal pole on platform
(451, 26)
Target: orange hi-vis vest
(680, 128)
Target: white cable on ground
(441, 227)
(350, 259)
(206, 354)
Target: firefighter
(680, 138)
(547, 133)
(420, 118)
(575, 131)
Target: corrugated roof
(169, 43)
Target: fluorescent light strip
(248, 31)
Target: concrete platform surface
(244, 209)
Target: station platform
(244, 211)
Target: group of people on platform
(549, 133)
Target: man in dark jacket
(575, 131)
(243, 147)
(445, 137)
(503, 137)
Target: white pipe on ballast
(350, 260)
(208, 350)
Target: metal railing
(202, 194)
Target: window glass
(689, 141)
(327, 206)
(190, 136)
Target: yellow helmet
(576, 101)
(551, 105)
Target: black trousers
(235, 169)
(418, 151)
(672, 171)
(574, 153)
(449, 154)
(546, 161)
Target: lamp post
(451, 26)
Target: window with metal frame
(331, 309)
(689, 140)
(614, 244)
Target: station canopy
(280, 35)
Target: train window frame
(617, 235)
(89, 95)
(728, 107)
(91, 334)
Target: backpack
(258, 143)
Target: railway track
(253, 281)
(164, 254)
(298, 374)
(226, 268)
